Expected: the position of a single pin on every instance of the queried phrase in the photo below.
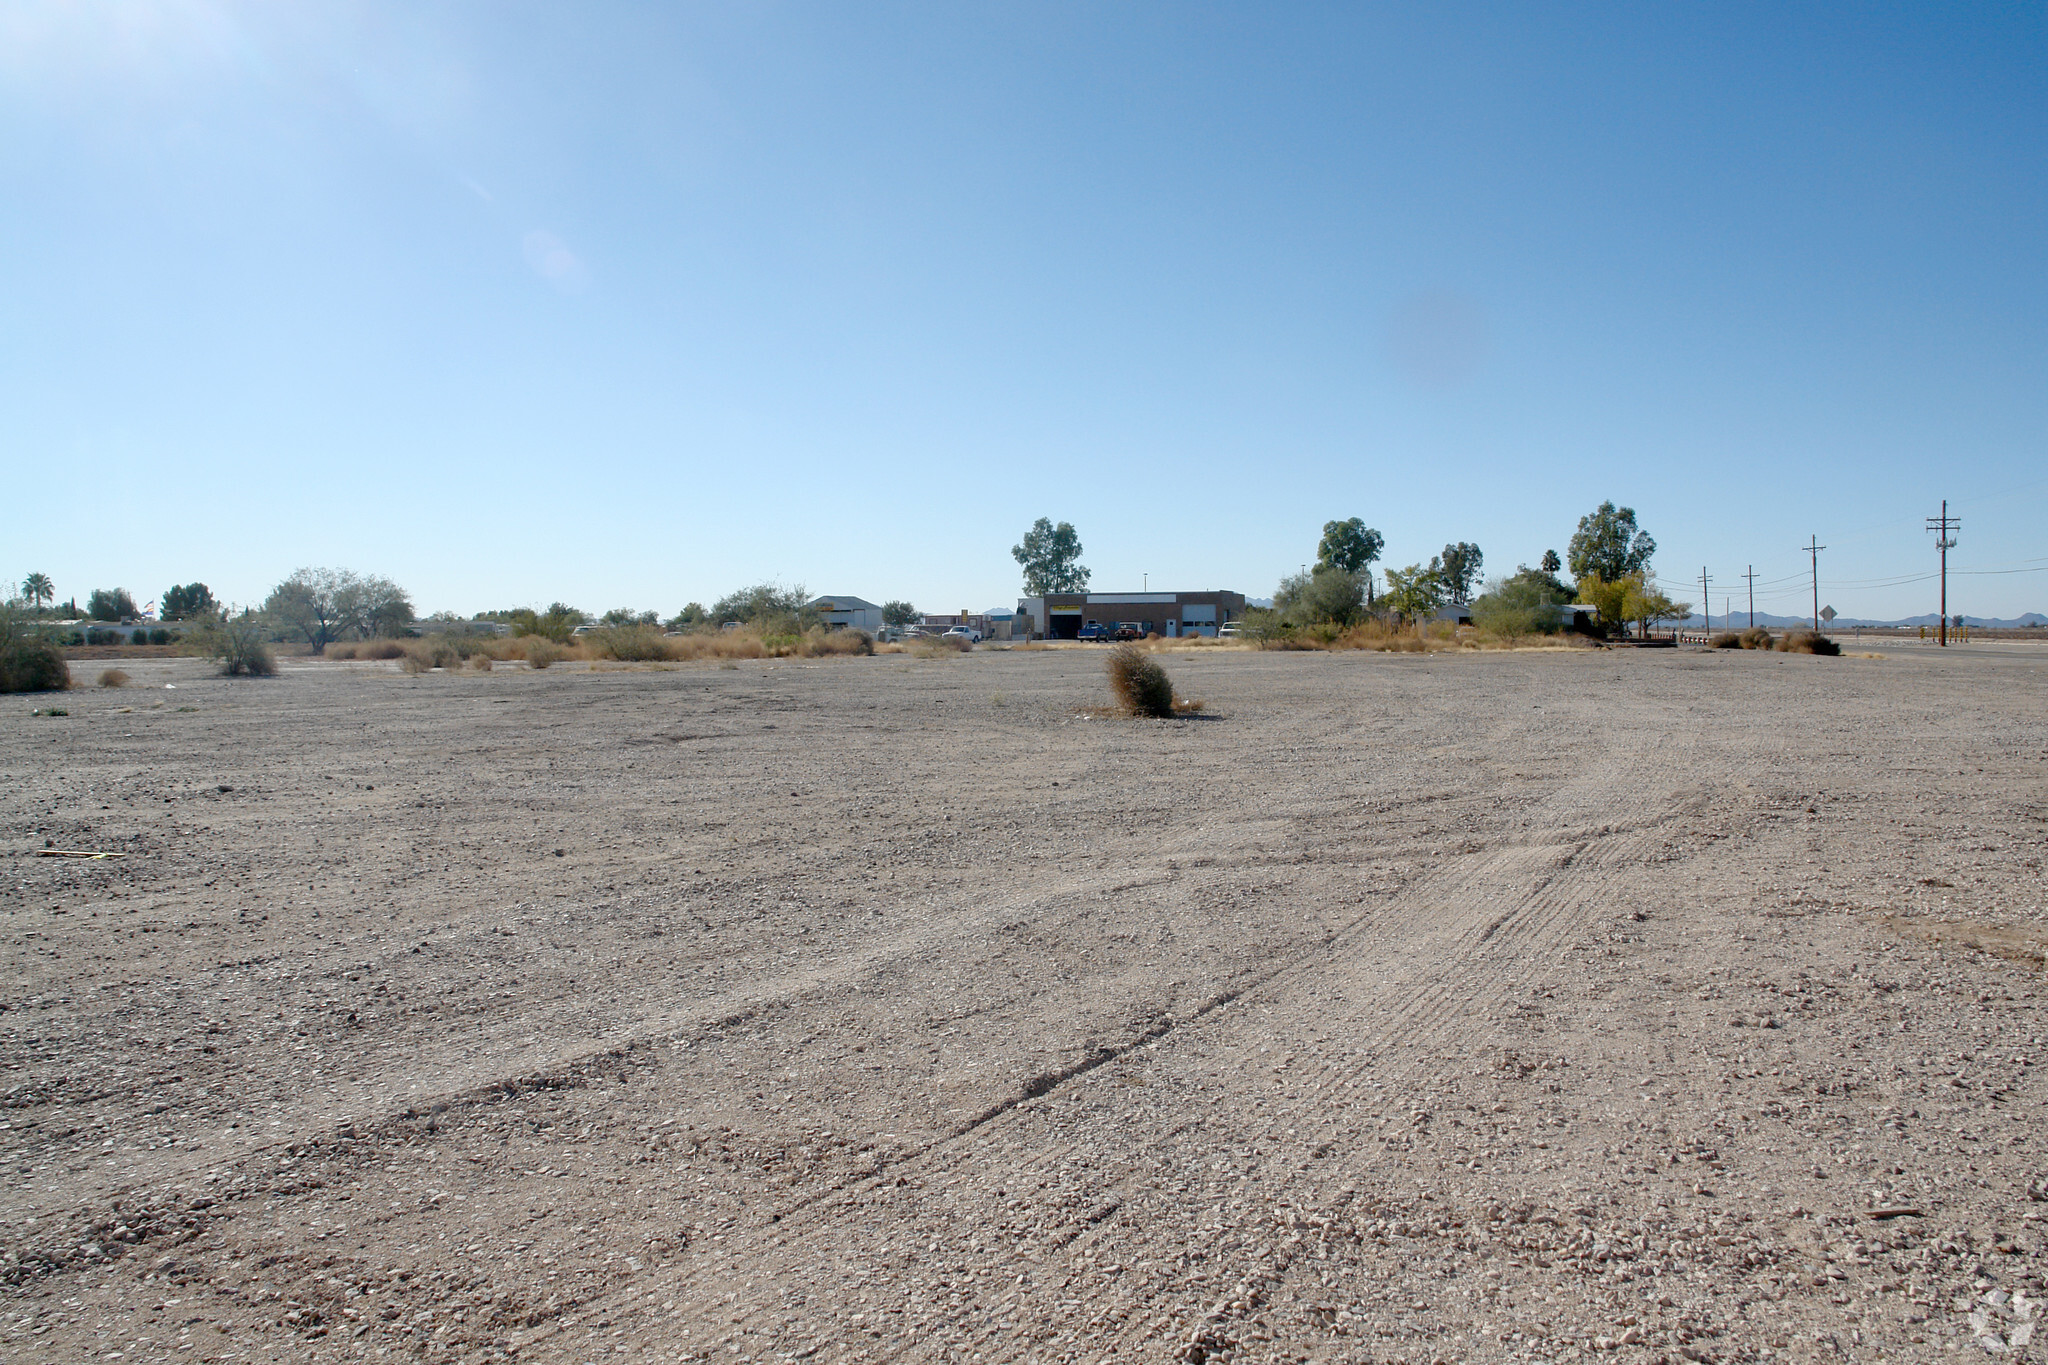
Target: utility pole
(1945, 528)
(1751, 576)
(1813, 548)
(1706, 602)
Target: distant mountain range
(1930, 619)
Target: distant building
(856, 613)
(1060, 616)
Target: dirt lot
(1647, 1005)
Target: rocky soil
(1639, 1006)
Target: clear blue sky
(635, 304)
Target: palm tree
(38, 589)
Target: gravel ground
(1639, 1005)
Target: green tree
(557, 623)
(1325, 595)
(899, 613)
(1551, 563)
(111, 604)
(626, 616)
(1351, 546)
(325, 605)
(1607, 543)
(1525, 604)
(690, 617)
(38, 589)
(766, 607)
(1051, 556)
(1646, 605)
(1459, 566)
(186, 602)
(1415, 592)
(1633, 598)
(307, 604)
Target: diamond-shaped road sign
(1827, 613)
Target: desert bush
(237, 644)
(1756, 637)
(113, 677)
(364, 649)
(541, 652)
(823, 642)
(1807, 642)
(1139, 684)
(435, 651)
(159, 636)
(29, 659)
(631, 642)
(1727, 639)
(480, 661)
(940, 646)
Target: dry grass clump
(852, 643)
(365, 649)
(1727, 639)
(113, 677)
(1756, 637)
(1807, 642)
(1139, 684)
(940, 646)
(647, 644)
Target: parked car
(1227, 631)
(1095, 631)
(968, 633)
(1129, 630)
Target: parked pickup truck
(968, 633)
(1129, 630)
(1092, 631)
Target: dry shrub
(940, 646)
(436, 651)
(113, 677)
(724, 644)
(629, 644)
(1756, 637)
(1807, 642)
(480, 661)
(1139, 684)
(1727, 639)
(540, 651)
(365, 649)
(818, 643)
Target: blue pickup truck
(1095, 631)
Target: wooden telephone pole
(1945, 528)
(1706, 602)
(1814, 547)
(1751, 576)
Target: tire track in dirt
(1513, 905)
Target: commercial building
(853, 612)
(1060, 616)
